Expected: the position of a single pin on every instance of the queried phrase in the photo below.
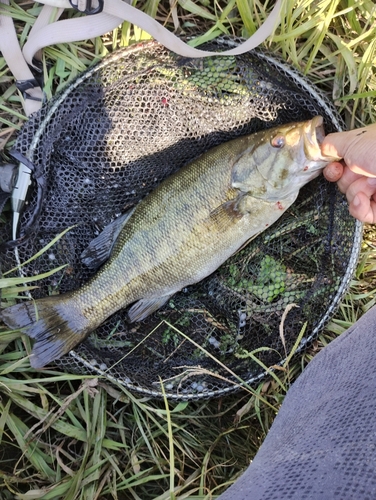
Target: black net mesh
(107, 140)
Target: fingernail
(356, 201)
(371, 181)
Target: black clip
(89, 9)
(25, 85)
(8, 177)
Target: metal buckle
(86, 7)
(25, 85)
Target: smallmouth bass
(179, 234)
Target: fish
(178, 234)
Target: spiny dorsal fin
(100, 248)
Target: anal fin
(144, 307)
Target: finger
(363, 208)
(358, 169)
(330, 146)
(347, 179)
(357, 147)
(364, 185)
(333, 172)
(337, 144)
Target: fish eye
(278, 141)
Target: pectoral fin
(144, 307)
(230, 212)
(99, 249)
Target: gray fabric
(322, 445)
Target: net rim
(356, 241)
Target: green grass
(69, 437)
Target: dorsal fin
(99, 249)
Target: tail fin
(51, 322)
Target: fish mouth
(314, 135)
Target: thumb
(357, 147)
(340, 143)
(335, 144)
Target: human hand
(357, 177)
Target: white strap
(11, 51)
(172, 42)
(69, 30)
(49, 14)
(115, 12)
